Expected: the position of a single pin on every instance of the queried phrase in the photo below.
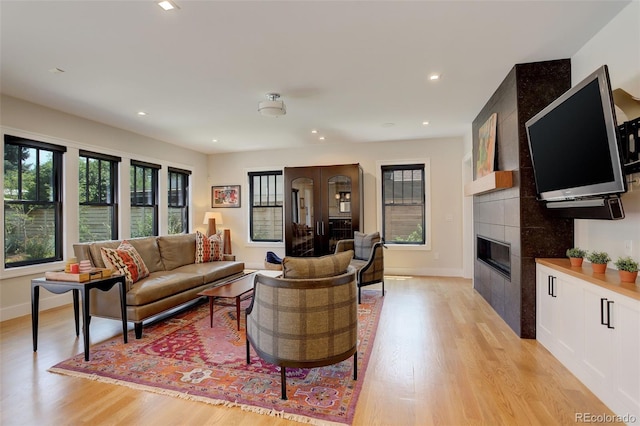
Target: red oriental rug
(184, 357)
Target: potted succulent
(576, 255)
(599, 260)
(627, 268)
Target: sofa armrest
(345, 245)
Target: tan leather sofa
(175, 279)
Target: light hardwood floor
(441, 356)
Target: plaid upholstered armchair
(308, 318)
(368, 258)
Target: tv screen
(574, 143)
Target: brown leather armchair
(284, 331)
(368, 260)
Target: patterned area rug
(184, 357)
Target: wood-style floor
(441, 356)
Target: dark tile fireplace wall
(513, 215)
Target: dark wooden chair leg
(355, 366)
(137, 327)
(359, 295)
(283, 379)
(248, 357)
(383, 287)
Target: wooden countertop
(609, 280)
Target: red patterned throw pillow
(209, 249)
(126, 260)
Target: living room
(450, 252)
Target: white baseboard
(53, 301)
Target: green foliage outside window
(30, 213)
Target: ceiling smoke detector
(272, 107)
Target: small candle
(75, 268)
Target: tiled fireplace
(495, 254)
(514, 223)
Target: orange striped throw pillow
(126, 260)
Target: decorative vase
(576, 261)
(599, 268)
(628, 277)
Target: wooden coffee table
(239, 289)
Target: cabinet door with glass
(323, 206)
(342, 204)
(302, 189)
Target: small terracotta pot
(628, 277)
(599, 268)
(576, 261)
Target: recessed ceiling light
(314, 131)
(321, 138)
(425, 123)
(214, 140)
(434, 77)
(142, 113)
(168, 5)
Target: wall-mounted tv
(574, 143)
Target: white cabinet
(594, 331)
(612, 348)
(559, 305)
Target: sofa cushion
(363, 243)
(161, 284)
(316, 267)
(209, 249)
(96, 252)
(177, 250)
(149, 251)
(126, 260)
(213, 271)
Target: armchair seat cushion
(358, 263)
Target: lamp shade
(212, 215)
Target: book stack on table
(92, 274)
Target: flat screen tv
(574, 143)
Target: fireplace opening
(495, 254)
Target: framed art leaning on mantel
(225, 196)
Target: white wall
(618, 46)
(446, 196)
(33, 121)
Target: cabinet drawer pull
(609, 306)
(602, 300)
(549, 286)
(552, 286)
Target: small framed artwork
(225, 196)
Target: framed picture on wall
(487, 147)
(225, 196)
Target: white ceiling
(356, 71)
